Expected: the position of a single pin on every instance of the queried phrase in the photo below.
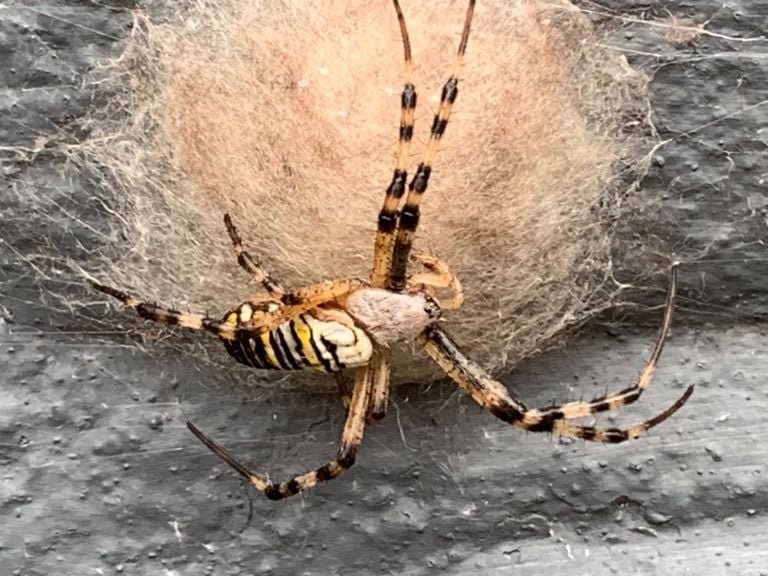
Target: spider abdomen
(302, 342)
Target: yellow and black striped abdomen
(303, 342)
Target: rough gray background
(98, 474)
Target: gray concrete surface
(98, 474)
(101, 476)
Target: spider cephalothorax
(349, 323)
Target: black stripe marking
(243, 261)
(601, 406)
(324, 473)
(406, 132)
(274, 344)
(347, 455)
(236, 350)
(154, 312)
(450, 350)
(408, 97)
(248, 351)
(114, 292)
(299, 348)
(292, 486)
(286, 348)
(628, 395)
(450, 90)
(325, 362)
(629, 389)
(273, 493)
(409, 218)
(547, 422)
(289, 299)
(387, 221)
(421, 178)
(615, 435)
(257, 346)
(396, 188)
(438, 127)
(214, 326)
(331, 347)
(507, 413)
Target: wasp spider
(350, 323)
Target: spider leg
(341, 382)
(247, 262)
(379, 369)
(409, 215)
(305, 299)
(630, 394)
(351, 438)
(439, 276)
(495, 397)
(265, 333)
(387, 221)
(169, 316)
(378, 372)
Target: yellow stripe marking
(304, 332)
(273, 361)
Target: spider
(351, 322)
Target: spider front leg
(351, 437)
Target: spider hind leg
(630, 394)
(494, 397)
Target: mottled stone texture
(99, 475)
(710, 107)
